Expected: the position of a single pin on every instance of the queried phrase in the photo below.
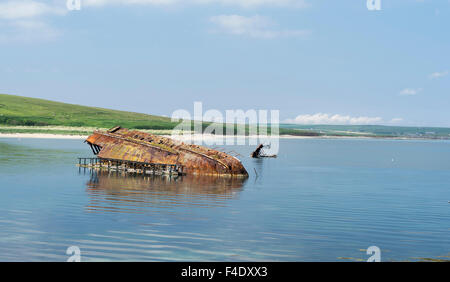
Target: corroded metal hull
(123, 144)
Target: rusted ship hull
(123, 144)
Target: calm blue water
(321, 200)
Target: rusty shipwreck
(138, 151)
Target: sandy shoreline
(40, 136)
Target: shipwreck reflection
(113, 192)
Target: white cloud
(252, 3)
(22, 20)
(241, 3)
(410, 91)
(438, 74)
(128, 2)
(23, 9)
(321, 118)
(396, 120)
(256, 26)
(26, 19)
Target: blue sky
(316, 61)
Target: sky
(316, 61)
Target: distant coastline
(74, 132)
(204, 137)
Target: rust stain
(131, 145)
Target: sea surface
(320, 200)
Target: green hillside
(30, 115)
(17, 110)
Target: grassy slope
(31, 115)
(16, 110)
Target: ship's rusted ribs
(206, 156)
(92, 148)
(114, 129)
(156, 147)
(95, 148)
(134, 141)
(135, 146)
